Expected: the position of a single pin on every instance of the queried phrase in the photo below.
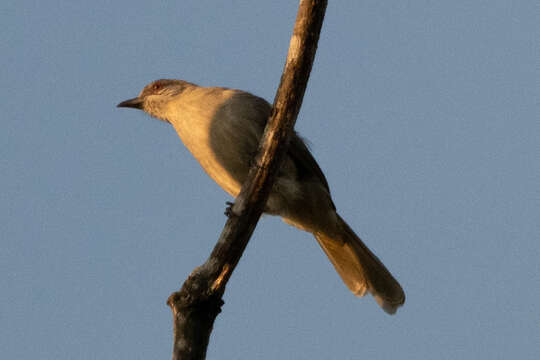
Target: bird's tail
(360, 269)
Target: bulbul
(222, 128)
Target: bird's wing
(306, 165)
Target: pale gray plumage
(222, 129)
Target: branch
(199, 301)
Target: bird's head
(155, 96)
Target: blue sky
(424, 116)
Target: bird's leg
(253, 160)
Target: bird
(222, 128)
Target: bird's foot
(228, 210)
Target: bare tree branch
(199, 301)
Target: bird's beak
(135, 103)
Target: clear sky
(424, 116)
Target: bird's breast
(214, 136)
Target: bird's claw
(228, 210)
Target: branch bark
(199, 301)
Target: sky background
(424, 116)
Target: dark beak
(135, 103)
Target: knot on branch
(194, 296)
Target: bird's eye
(156, 86)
